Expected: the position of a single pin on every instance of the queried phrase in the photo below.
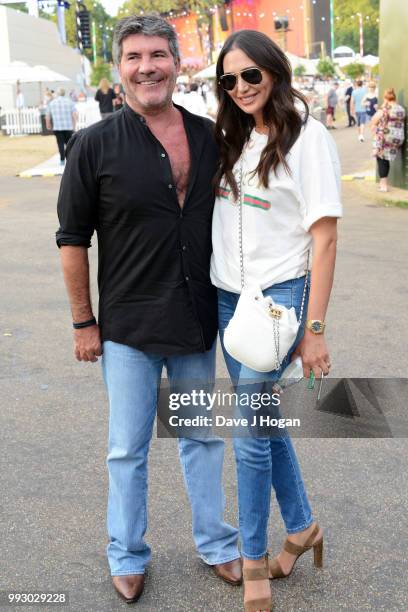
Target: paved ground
(50, 167)
(53, 432)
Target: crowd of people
(386, 120)
(361, 104)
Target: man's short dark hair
(359, 83)
(149, 25)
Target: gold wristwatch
(315, 326)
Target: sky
(111, 6)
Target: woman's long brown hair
(284, 120)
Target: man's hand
(87, 343)
(313, 351)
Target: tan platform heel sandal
(257, 573)
(275, 569)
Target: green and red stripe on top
(249, 200)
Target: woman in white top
(290, 203)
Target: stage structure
(301, 27)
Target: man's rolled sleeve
(77, 199)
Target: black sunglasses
(253, 76)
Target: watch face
(316, 326)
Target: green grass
(398, 203)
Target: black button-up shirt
(155, 292)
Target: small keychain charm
(311, 381)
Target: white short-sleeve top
(276, 220)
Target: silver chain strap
(275, 320)
(241, 251)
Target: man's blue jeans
(132, 379)
(263, 463)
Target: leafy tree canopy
(347, 29)
(101, 71)
(326, 68)
(354, 70)
(299, 71)
(103, 24)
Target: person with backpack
(388, 127)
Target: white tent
(309, 64)
(370, 60)
(206, 73)
(20, 71)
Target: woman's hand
(314, 354)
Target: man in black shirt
(142, 179)
(347, 97)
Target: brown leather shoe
(231, 571)
(129, 587)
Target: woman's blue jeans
(265, 462)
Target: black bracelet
(84, 324)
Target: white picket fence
(28, 120)
(21, 121)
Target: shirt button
(184, 247)
(170, 186)
(187, 278)
(162, 155)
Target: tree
(104, 25)
(346, 24)
(326, 68)
(101, 71)
(375, 71)
(299, 71)
(354, 70)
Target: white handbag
(261, 332)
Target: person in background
(20, 102)
(119, 98)
(61, 117)
(357, 107)
(105, 96)
(331, 103)
(47, 97)
(178, 94)
(347, 98)
(388, 127)
(370, 100)
(194, 101)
